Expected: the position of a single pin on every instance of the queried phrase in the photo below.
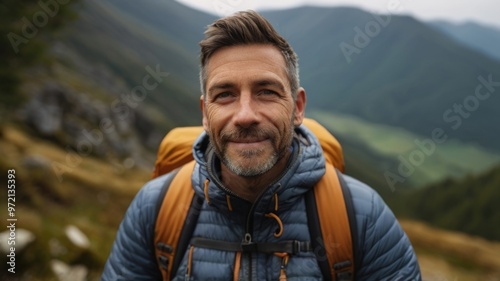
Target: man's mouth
(248, 143)
(248, 140)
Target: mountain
(111, 84)
(393, 70)
(387, 69)
(480, 37)
(135, 40)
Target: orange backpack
(175, 222)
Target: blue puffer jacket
(386, 253)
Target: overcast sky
(480, 11)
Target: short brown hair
(246, 27)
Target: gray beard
(253, 171)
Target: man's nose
(248, 112)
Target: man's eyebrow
(220, 86)
(257, 83)
(269, 82)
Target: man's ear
(300, 107)
(203, 113)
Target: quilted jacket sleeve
(132, 256)
(384, 249)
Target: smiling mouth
(248, 143)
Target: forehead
(245, 60)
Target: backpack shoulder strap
(176, 220)
(332, 225)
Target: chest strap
(291, 247)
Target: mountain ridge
(481, 37)
(408, 74)
(382, 83)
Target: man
(253, 159)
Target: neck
(249, 188)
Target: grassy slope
(89, 193)
(447, 255)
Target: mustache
(250, 133)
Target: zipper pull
(284, 262)
(248, 238)
(247, 245)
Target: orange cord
(280, 224)
(190, 261)
(284, 262)
(237, 264)
(205, 190)
(275, 201)
(228, 200)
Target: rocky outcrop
(112, 130)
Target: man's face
(248, 112)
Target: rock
(114, 129)
(77, 237)
(23, 238)
(36, 162)
(46, 109)
(65, 272)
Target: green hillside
(23, 45)
(468, 205)
(106, 33)
(401, 158)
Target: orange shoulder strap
(334, 224)
(171, 218)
